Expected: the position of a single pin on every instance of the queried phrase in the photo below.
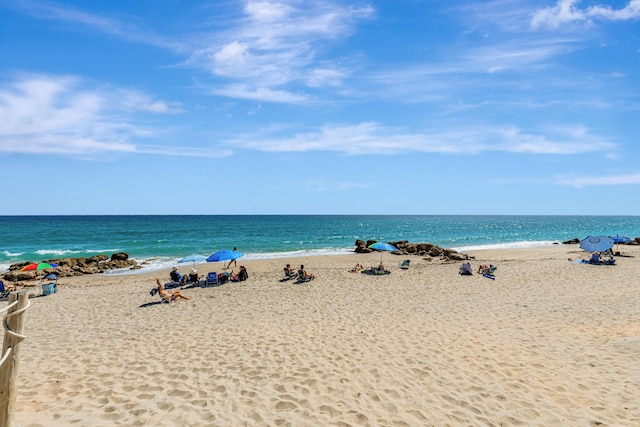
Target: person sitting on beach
(169, 295)
(288, 271)
(5, 289)
(357, 269)
(483, 268)
(303, 275)
(241, 276)
(379, 269)
(193, 276)
(177, 277)
(595, 258)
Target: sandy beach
(549, 342)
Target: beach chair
(302, 278)
(595, 258)
(212, 279)
(490, 272)
(405, 264)
(4, 293)
(48, 288)
(177, 279)
(51, 285)
(289, 274)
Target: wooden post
(9, 369)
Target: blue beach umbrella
(596, 243)
(382, 246)
(224, 255)
(193, 258)
(620, 239)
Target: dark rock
(573, 241)
(120, 256)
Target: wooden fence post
(13, 326)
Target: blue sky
(320, 107)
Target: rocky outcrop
(573, 241)
(73, 266)
(405, 248)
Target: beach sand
(549, 342)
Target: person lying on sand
(169, 295)
(483, 268)
(357, 269)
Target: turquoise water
(163, 239)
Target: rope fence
(13, 322)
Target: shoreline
(160, 262)
(345, 258)
(548, 342)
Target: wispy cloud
(592, 181)
(509, 63)
(568, 11)
(259, 55)
(277, 44)
(65, 115)
(372, 138)
(54, 11)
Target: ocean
(161, 240)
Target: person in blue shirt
(177, 277)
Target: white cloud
(54, 11)
(371, 138)
(592, 181)
(242, 91)
(160, 107)
(630, 11)
(276, 45)
(53, 114)
(319, 77)
(174, 151)
(131, 100)
(265, 11)
(567, 11)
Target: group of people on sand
(467, 270)
(240, 276)
(359, 268)
(302, 274)
(193, 278)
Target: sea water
(161, 240)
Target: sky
(525, 107)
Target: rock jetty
(427, 251)
(73, 266)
